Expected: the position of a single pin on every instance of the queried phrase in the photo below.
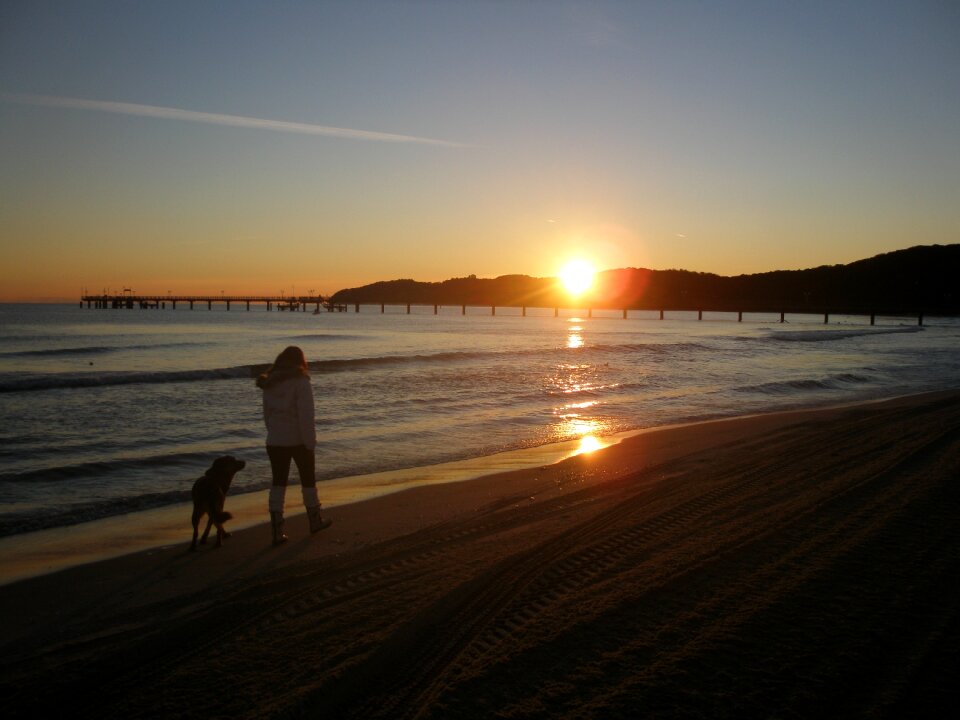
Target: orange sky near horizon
(174, 147)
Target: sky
(267, 147)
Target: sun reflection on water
(589, 443)
(587, 431)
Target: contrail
(168, 113)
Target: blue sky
(728, 137)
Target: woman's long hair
(289, 364)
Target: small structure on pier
(128, 300)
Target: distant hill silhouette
(923, 278)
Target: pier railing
(661, 311)
(302, 303)
(281, 302)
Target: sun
(577, 276)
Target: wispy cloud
(169, 113)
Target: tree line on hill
(918, 279)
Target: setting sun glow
(577, 276)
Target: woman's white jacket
(288, 413)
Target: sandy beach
(800, 564)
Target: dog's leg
(220, 531)
(221, 517)
(196, 527)
(206, 532)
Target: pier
(299, 303)
(624, 312)
(303, 303)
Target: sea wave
(192, 464)
(85, 350)
(792, 387)
(328, 336)
(27, 382)
(832, 335)
(54, 352)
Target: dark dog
(209, 493)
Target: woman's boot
(276, 528)
(275, 505)
(312, 503)
(317, 523)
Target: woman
(291, 435)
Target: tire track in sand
(400, 679)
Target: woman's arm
(305, 413)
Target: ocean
(109, 412)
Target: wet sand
(802, 564)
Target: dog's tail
(223, 517)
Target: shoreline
(34, 554)
(719, 568)
(50, 550)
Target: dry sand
(800, 564)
